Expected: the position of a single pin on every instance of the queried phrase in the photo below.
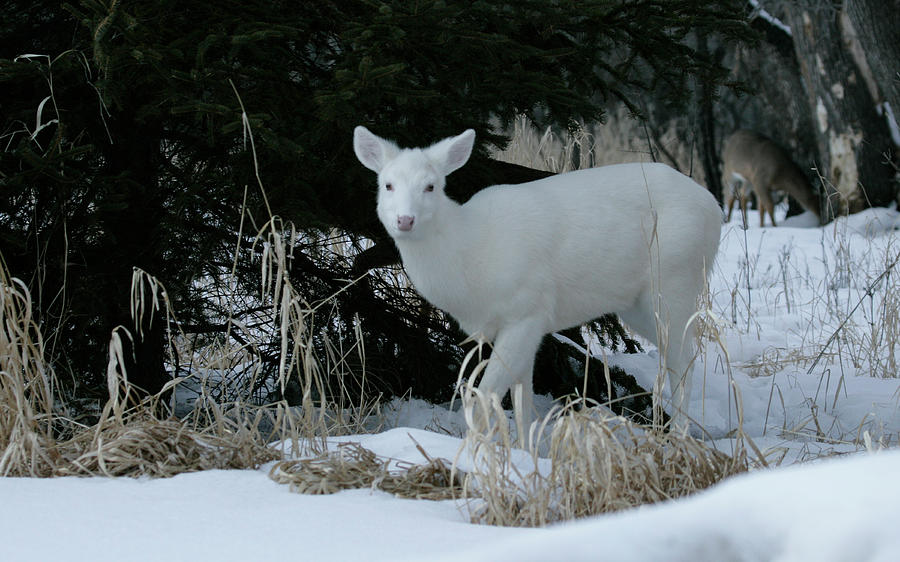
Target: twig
(868, 293)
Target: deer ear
(373, 151)
(451, 153)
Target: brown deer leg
(764, 198)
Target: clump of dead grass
(130, 439)
(352, 466)
(621, 138)
(26, 387)
(598, 463)
(227, 427)
(146, 446)
(37, 440)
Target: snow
(838, 509)
(790, 514)
(759, 11)
(805, 284)
(219, 515)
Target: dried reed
(353, 466)
(27, 443)
(622, 138)
(129, 439)
(225, 429)
(598, 463)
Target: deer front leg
(511, 365)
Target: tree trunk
(850, 135)
(709, 148)
(783, 115)
(879, 41)
(131, 216)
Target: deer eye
(429, 187)
(389, 187)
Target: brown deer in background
(756, 159)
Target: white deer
(516, 262)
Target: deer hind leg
(663, 321)
(764, 201)
(745, 200)
(678, 358)
(510, 368)
(734, 187)
(728, 186)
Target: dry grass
(224, 429)
(26, 387)
(352, 466)
(147, 446)
(582, 460)
(598, 463)
(37, 439)
(621, 139)
(296, 321)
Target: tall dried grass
(27, 419)
(129, 439)
(598, 463)
(620, 139)
(223, 429)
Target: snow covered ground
(778, 294)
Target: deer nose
(405, 222)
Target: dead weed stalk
(130, 438)
(598, 463)
(26, 387)
(352, 466)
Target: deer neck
(437, 264)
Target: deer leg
(745, 200)
(663, 321)
(728, 188)
(511, 365)
(764, 198)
